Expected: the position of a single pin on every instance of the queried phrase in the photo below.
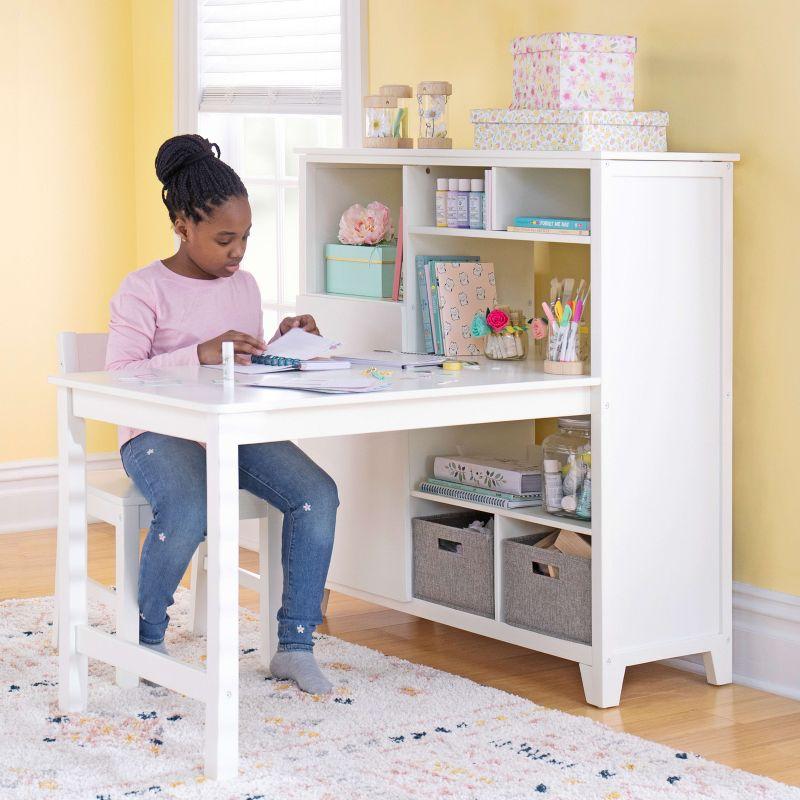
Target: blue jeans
(171, 474)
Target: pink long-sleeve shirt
(159, 317)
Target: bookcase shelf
(659, 588)
(513, 236)
(532, 514)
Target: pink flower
(497, 319)
(539, 328)
(370, 225)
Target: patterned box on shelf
(523, 129)
(573, 71)
(360, 269)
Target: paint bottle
(476, 202)
(452, 201)
(584, 509)
(441, 202)
(552, 485)
(462, 203)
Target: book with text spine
(456, 491)
(425, 305)
(558, 223)
(553, 231)
(432, 291)
(497, 474)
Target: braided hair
(195, 180)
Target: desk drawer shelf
(531, 514)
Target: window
(262, 78)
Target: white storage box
(573, 71)
(523, 129)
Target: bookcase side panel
(660, 356)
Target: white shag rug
(392, 730)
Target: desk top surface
(199, 389)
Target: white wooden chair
(113, 498)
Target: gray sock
(300, 667)
(159, 648)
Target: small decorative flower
(162, 536)
(150, 451)
(479, 326)
(370, 225)
(301, 629)
(497, 319)
(539, 328)
(306, 506)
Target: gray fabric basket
(559, 606)
(454, 566)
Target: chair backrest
(81, 352)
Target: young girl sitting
(178, 311)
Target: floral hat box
(573, 71)
(524, 129)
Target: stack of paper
(327, 384)
(393, 358)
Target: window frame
(354, 67)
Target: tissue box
(573, 71)
(360, 269)
(522, 129)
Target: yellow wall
(89, 88)
(89, 85)
(728, 74)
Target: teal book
(459, 491)
(424, 304)
(557, 223)
(435, 305)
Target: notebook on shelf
(465, 288)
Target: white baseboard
(766, 641)
(29, 496)
(29, 491)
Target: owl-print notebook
(464, 288)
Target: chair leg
(199, 591)
(127, 577)
(274, 586)
(326, 595)
(263, 592)
(54, 630)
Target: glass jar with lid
(432, 99)
(403, 94)
(379, 112)
(566, 469)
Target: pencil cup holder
(567, 350)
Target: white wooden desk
(224, 418)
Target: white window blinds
(278, 56)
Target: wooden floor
(734, 725)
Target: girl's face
(218, 242)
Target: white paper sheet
(300, 344)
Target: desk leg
(222, 661)
(72, 552)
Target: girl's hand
(244, 346)
(305, 322)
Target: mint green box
(360, 269)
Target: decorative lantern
(403, 94)
(380, 112)
(433, 123)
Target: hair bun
(182, 151)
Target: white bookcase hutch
(660, 263)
